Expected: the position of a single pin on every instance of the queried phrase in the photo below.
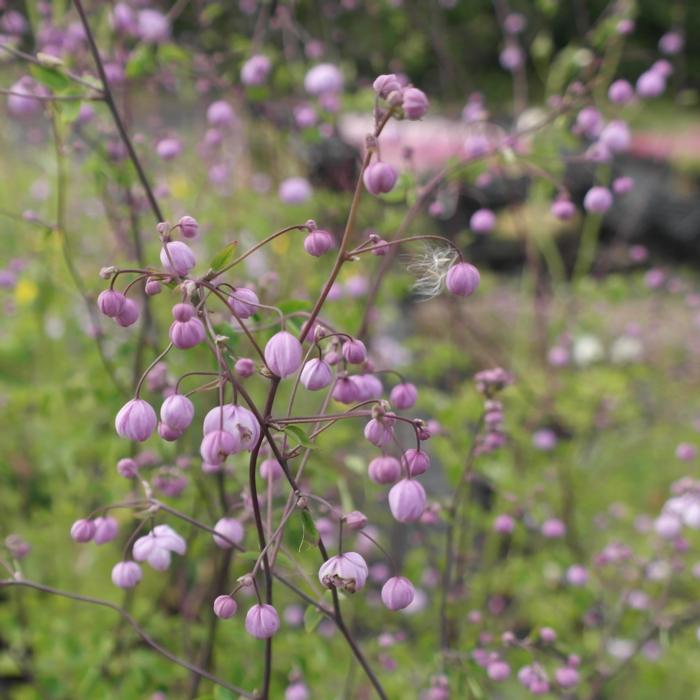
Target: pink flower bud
(504, 524)
(650, 84)
(576, 575)
(403, 396)
(129, 314)
(482, 221)
(255, 70)
(217, 445)
(243, 302)
(407, 500)
(127, 468)
(553, 529)
(368, 386)
(168, 433)
(379, 432)
(106, 529)
(397, 593)
(225, 607)
(283, 354)
(354, 352)
(220, 114)
(566, 677)
(238, 421)
(548, 635)
(169, 148)
(384, 470)
(297, 691)
(271, 469)
(563, 209)
(385, 84)
(187, 334)
(152, 287)
(616, 136)
(189, 226)
(229, 532)
(83, 530)
(671, 43)
(182, 257)
(318, 242)
(177, 411)
(136, 420)
(262, 621)
(295, 190)
(498, 670)
(111, 302)
(355, 520)
(686, 451)
(316, 375)
(462, 279)
(345, 390)
(126, 574)
(597, 200)
(415, 103)
(152, 27)
(622, 185)
(620, 92)
(245, 367)
(347, 572)
(323, 79)
(416, 462)
(17, 546)
(379, 178)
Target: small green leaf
(51, 77)
(300, 436)
(309, 533)
(141, 62)
(312, 618)
(223, 257)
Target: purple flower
(245, 367)
(621, 92)
(616, 136)
(187, 330)
(650, 84)
(482, 221)
(126, 574)
(354, 352)
(462, 279)
(220, 114)
(323, 79)
(379, 178)
(415, 103)
(238, 421)
(136, 420)
(243, 302)
(347, 572)
(407, 500)
(169, 148)
(597, 200)
(563, 209)
(295, 190)
(129, 314)
(127, 468)
(498, 670)
(225, 607)
(416, 462)
(271, 470)
(316, 374)
(318, 242)
(217, 445)
(671, 43)
(177, 411)
(283, 354)
(553, 529)
(106, 529)
(156, 547)
(403, 396)
(189, 226)
(24, 103)
(379, 432)
(385, 84)
(384, 470)
(255, 70)
(180, 254)
(111, 302)
(83, 530)
(262, 621)
(398, 593)
(152, 26)
(230, 532)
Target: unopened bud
(108, 272)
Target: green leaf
(223, 257)
(312, 618)
(70, 110)
(51, 77)
(141, 62)
(300, 436)
(309, 533)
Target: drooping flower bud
(354, 352)
(407, 500)
(597, 200)
(152, 287)
(136, 420)
(271, 469)
(355, 520)
(262, 621)
(255, 70)
(403, 396)
(318, 242)
(620, 92)
(462, 279)
(111, 302)
(415, 103)
(106, 529)
(345, 390)
(126, 574)
(283, 354)
(347, 572)
(83, 530)
(220, 114)
(225, 607)
(177, 411)
(186, 334)
(384, 470)
(650, 84)
(180, 254)
(127, 468)
(563, 208)
(316, 374)
(189, 226)
(416, 462)
(243, 302)
(385, 84)
(168, 433)
(217, 445)
(398, 593)
(482, 221)
(379, 431)
(379, 178)
(232, 532)
(129, 314)
(238, 421)
(245, 367)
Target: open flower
(156, 547)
